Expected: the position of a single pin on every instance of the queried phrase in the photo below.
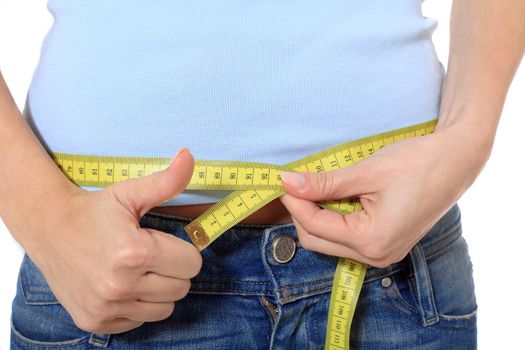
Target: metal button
(386, 282)
(283, 249)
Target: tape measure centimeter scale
(254, 185)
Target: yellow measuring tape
(254, 185)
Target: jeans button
(283, 249)
(386, 282)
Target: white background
(492, 208)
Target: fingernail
(297, 180)
(180, 151)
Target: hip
(248, 297)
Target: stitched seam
(459, 317)
(229, 281)
(425, 297)
(263, 244)
(294, 297)
(236, 291)
(228, 292)
(434, 255)
(408, 312)
(309, 292)
(26, 287)
(42, 303)
(381, 276)
(291, 287)
(442, 251)
(439, 251)
(47, 344)
(312, 283)
(456, 325)
(306, 328)
(446, 246)
(397, 294)
(99, 340)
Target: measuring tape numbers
(253, 186)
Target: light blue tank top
(252, 80)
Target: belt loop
(425, 294)
(99, 340)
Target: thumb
(140, 195)
(329, 185)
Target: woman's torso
(269, 81)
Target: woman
(266, 81)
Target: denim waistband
(241, 260)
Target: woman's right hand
(110, 274)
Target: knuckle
(89, 324)
(98, 309)
(360, 227)
(113, 289)
(378, 255)
(133, 255)
(305, 241)
(103, 310)
(167, 311)
(381, 264)
(324, 183)
(163, 313)
(372, 250)
(120, 195)
(313, 223)
(394, 260)
(195, 263)
(182, 289)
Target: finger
(173, 256)
(348, 229)
(140, 195)
(143, 311)
(160, 289)
(320, 245)
(116, 326)
(337, 184)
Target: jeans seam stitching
(230, 282)
(425, 290)
(446, 246)
(316, 282)
(464, 317)
(229, 292)
(27, 340)
(25, 285)
(406, 310)
(378, 276)
(402, 300)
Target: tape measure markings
(211, 226)
(334, 158)
(349, 274)
(348, 279)
(254, 185)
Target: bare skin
(404, 188)
(407, 186)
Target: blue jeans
(245, 299)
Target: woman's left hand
(404, 189)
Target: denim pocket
(34, 287)
(453, 285)
(449, 296)
(38, 320)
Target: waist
(238, 261)
(273, 213)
